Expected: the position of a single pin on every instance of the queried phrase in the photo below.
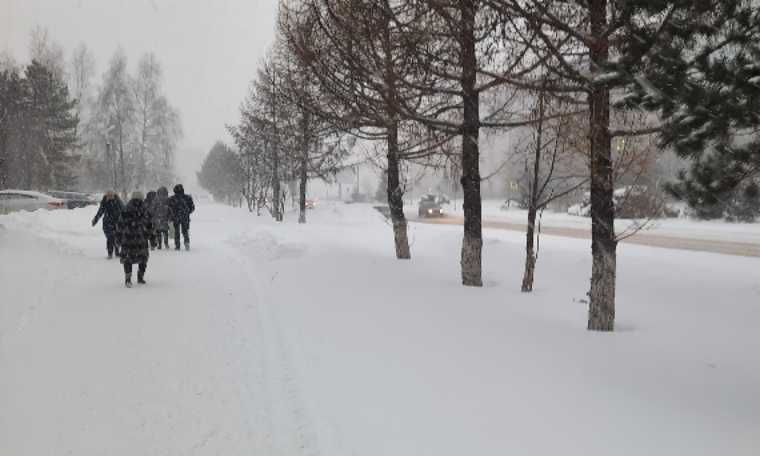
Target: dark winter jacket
(135, 228)
(149, 198)
(160, 210)
(180, 205)
(150, 205)
(110, 210)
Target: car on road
(311, 204)
(74, 199)
(429, 206)
(25, 200)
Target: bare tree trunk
(472, 244)
(276, 200)
(601, 315)
(530, 254)
(394, 190)
(396, 196)
(303, 177)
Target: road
(747, 249)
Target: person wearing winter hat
(110, 209)
(135, 228)
(180, 208)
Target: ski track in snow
(301, 437)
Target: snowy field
(313, 340)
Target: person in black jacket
(134, 230)
(180, 208)
(150, 202)
(110, 209)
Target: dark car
(430, 206)
(74, 199)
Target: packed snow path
(313, 340)
(186, 364)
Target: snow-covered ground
(314, 340)
(677, 227)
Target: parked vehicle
(24, 200)
(74, 199)
(430, 206)
(631, 202)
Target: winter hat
(137, 196)
(178, 189)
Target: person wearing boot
(135, 228)
(180, 208)
(110, 209)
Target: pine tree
(705, 83)
(53, 121)
(37, 130)
(11, 91)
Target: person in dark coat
(134, 231)
(110, 209)
(150, 199)
(161, 217)
(180, 208)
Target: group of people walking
(143, 224)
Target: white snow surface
(313, 340)
(715, 230)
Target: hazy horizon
(209, 51)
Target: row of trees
(279, 138)
(591, 77)
(59, 129)
(131, 130)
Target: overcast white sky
(209, 49)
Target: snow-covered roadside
(681, 228)
(314, 340)
(399, 355)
